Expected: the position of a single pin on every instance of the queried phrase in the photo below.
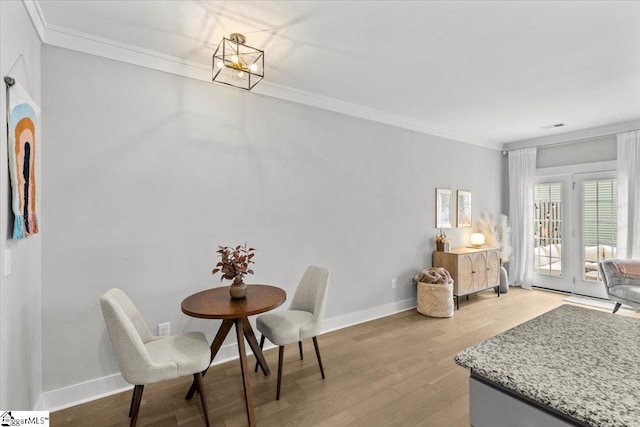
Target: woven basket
(435, 300)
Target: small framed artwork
(443, 208)
(464, 208)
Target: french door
(575, 227)
(596, 194)
(552, 234)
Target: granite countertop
(578, 361)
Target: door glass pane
(547, 218)
(599, 224)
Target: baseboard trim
(39, 405)
(351, 319)
(83, 392)
(98, 388)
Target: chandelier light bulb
(240, 74)
(234, 59)
(253, 68)
(220, 64)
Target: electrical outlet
(164, 329)
(393, 283)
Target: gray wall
(20, 309)
(147, 172)
(590, 151)
(600, 149)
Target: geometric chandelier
(236, 64)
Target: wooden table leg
(245, 372)
(255, 347)
(215, 347)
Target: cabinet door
(465, 274)
(493, 268)
(480, 271)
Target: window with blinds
(599, 223)
(547, 218)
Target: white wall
(20, 293)
(147, 172)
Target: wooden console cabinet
(472, 270)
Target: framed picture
(443, 208)
(464, 208)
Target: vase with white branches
(503, 231)
(499, 236)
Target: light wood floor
(395, 371)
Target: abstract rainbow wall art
(22, 126)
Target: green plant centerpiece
(234, 264)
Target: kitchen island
(569, 366)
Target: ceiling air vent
(556, 125)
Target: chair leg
(135, 404)
(200, 389)
(315, 344)
(300, 348)
(261, 345)
(133, 398)
(280, 357)
(616, 307)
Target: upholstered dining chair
(144, 358)
(302, 320)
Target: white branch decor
(487, 226)
(504, 238)
(496, 235)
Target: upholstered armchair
(622, 281)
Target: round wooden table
(217, 304)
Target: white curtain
(629, 195)
(522, 174)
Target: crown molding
(111, 49)
(575, 136)
(55, 35)
(332, 104)
(37, 17)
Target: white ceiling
(486, 72)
